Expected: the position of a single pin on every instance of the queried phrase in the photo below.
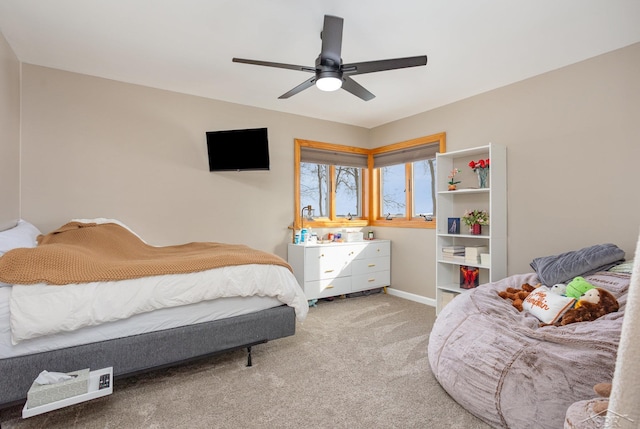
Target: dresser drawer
(327, 263)
(363, 266)
(376, 249)
(370, 280)
(328, 287)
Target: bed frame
(144, 352)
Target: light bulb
(329, 83)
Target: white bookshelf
(468, 196)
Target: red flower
(482, 163)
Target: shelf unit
(453, 204)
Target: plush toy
(594, 304)
(517, 295)
(559, 289)
(604, 391)
(577, 287)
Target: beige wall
(99, 148)
(94, 147)
(9, 135)
(573, 145)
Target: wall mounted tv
(237, 150)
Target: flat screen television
(237, 150)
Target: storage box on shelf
(332, 269)
(453, 204)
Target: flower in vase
(481, 168)
(476, 217)
(482, 163)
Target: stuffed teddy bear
(517, 295)
(594, 304)
(604, 391)
(577, 287)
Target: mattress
(38, 318)
(157, 320)
(39, 310)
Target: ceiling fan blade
(381, 65)
(278, 65)
(304, 85)
(356, 89)
(332, 39)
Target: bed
(139, 323)
(502, 366)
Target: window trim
(377, 218)
(371, 215)
(332, 221)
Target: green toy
(578, 287)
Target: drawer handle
(328, 271)
(371, 265)
(371, 280)
(329, 287)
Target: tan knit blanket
(82, 253)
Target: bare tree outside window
(392, 190)
(314, 185)
(348, 191)
(424, 196)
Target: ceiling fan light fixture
(329, 82)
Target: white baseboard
(411, 296)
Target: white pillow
(103, 220)
(23, 234)
(547, 306)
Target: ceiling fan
(330, 74)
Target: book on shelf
(453, 253)
(453, 258)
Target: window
(424, 187)
(393, 190)
(350, 186)
(404, 176)
(331, 179)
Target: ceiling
(186, 46)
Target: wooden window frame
(378, 218)
(332, 221)
(371, 215)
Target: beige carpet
(354, 363)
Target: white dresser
(332, 269)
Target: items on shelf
(453, 253)
(472, 253)
(469, 277)
(453, 225)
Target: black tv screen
(236, 150)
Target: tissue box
(353, 236)
(46, 393)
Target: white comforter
(38, 310)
